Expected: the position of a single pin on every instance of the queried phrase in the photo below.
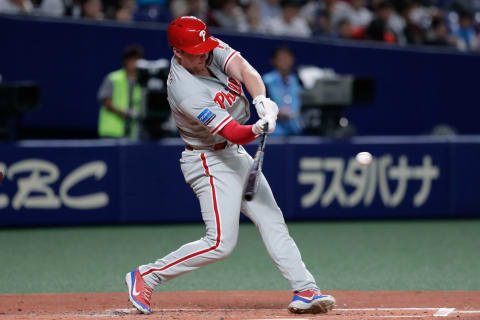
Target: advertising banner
(87, 182)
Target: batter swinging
(208, 103)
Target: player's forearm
(237, 133)
(253, 82)
(241, 70)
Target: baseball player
(210, 108)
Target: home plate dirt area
(262, 305)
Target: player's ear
(177, 52)
(210, 58)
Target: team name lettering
(235, 86)
(230, 95)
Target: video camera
(152, 76)
(326, 97)
(16, 98)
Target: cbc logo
(35, 178)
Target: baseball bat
(253, 176)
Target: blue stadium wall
(91, 182)
(416, 88)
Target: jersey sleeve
(223, 55)
(205, 112)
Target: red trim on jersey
(221, 124)
(237, 133)
(228, 59)
(217, 221)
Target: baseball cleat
(311, 301)
(138, 292)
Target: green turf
(394, 255)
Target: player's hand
(272, 122)
(271, 109)
(257, 128)
(265, 107)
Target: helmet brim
(203, 47)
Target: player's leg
(267, 216)
(215, 182)
(265, 213)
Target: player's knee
(226, 246)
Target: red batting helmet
(191, 35)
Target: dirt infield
(244, 305)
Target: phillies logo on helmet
(202, 34)
(191, 35)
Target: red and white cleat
(138, 292)
(311, 301)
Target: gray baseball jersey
(202, 106)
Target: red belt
(218, 146)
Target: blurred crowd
(449, 23)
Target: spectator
(378, 29)
(338, 10)
(92, 9)
(465, 35)
(196, 8)
(413, 32)
(270, 9)
(290, 23)
(53, 8)
(254, 20)
(125, 11)
(353, 10)
(438, 35)
(321, 25)
(228, 16)
(343, 30)
(284, 88)
(121, 97)
(16, 6)
(73, 8)
(310, 11)
(152, 11)
(359, 15)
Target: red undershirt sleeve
(237, 133)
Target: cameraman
(121, 98)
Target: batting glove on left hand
(265, 107)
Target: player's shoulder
(222, 46)
(181, 84)
(222, 55)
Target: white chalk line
(418, 316)
(278, 318)
(388, 309)
(273, 309)
(439, 312)
(443, 312)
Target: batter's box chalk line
(437, 312)
(443, 312)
